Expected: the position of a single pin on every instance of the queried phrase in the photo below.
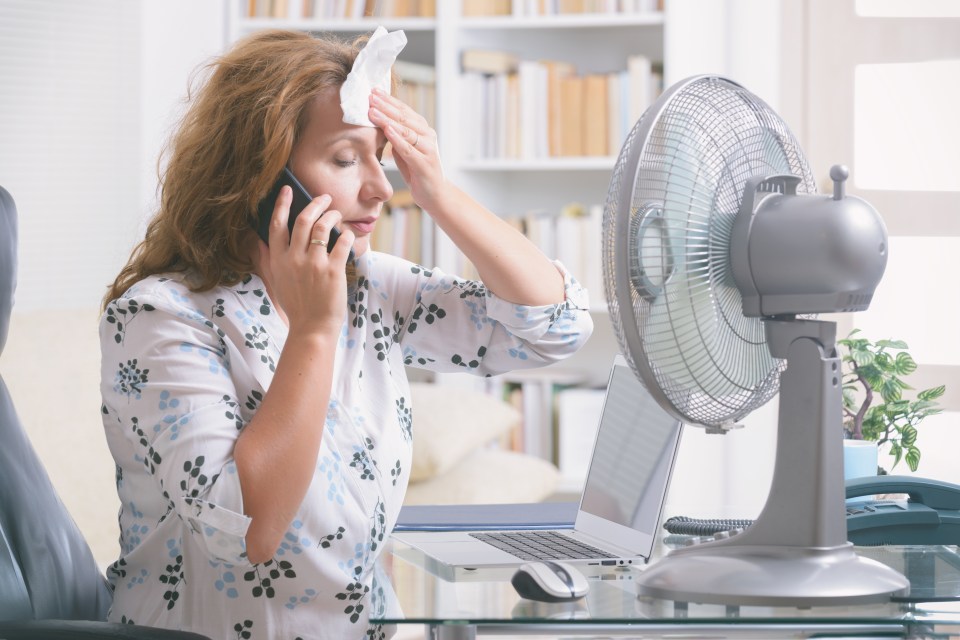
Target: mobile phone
(300, 200)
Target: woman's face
(342, 160)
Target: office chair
(50, 586)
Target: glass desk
(462, 603)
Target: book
(569, 239)
(489, 61)
(477, 8)
(532, 118)
(595, 113)
(571, 91)
(616, 130)
(556, 70)
(479, 517)
(579, 416)
(639, 71)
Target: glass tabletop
(412, 589)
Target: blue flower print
(132, 536)
(330, 466)
(225, 584)
(345, 340)
(246, 316)
(138, 579)
(215, 361)
(519, 352)
(292, 542)
(308, 596)
(170, 422)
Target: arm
(279, 446)
(509, 264)
(451, 324)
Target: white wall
(177, 38)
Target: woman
(254, 396)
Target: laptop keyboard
(541, 545)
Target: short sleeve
(166, 381)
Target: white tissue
(371, 70)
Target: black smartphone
(300, 200)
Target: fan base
(770, 576)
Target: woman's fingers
(398, 111)
(278, 221)
(305, 221)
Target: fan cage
(698, 145)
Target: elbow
(262, 543)
(260, 550)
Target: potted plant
(874, 407)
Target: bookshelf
(515, 187)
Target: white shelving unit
(595, 43)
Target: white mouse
(549, 581)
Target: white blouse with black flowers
(183, 373)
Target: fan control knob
(839, 174)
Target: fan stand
(796, 553)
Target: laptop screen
(633, 455)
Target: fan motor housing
(809, 254)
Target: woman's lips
(362, 227)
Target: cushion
(450, 422)
(489, 476)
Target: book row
(530, 109)
(340, 9)
(557, 7)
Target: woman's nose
(376, 185)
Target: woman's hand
(307, 283)
(414, 148)
(508, 263)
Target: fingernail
(376, 113)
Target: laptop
(620, 508)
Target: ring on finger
(322, 243)
(417, 141)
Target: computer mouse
(549, 581)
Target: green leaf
(908, 436)
(890, 390)
(892, 344)
(862, 357)
(849, 398)
(884, 361)
(905, 364)
(930, 394)
(897, 452)
(913, 458)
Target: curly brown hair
(232, 143)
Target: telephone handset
(300, 200)
(930, 515)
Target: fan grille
(699, 144)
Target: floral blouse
(183, 373)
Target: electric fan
(717, 255)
